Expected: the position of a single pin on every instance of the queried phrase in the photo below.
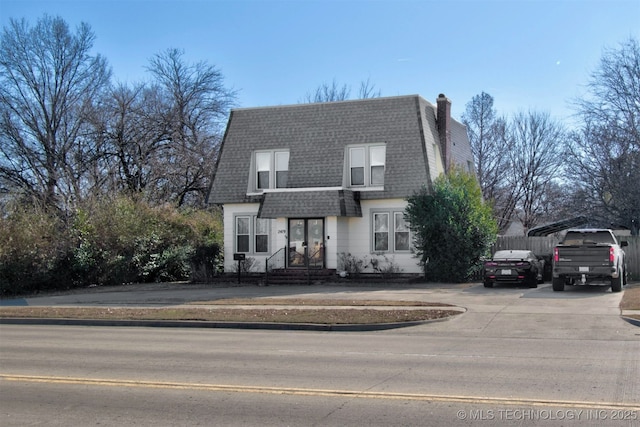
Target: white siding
(436, 167)
(230, 212)
(342, 235)
(279, 233)
(359, 235)
(431, 141)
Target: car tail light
(490, 264)
(611, 255)
(556, 257)
(522, 264)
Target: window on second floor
(271, 169)
(366, 165)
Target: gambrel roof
(317, 135)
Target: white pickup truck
(589, 256)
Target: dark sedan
(513, 266)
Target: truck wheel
(558, 284)
(616, 283)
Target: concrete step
(300, 276)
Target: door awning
(310, 204)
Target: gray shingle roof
(303, 204)
(316, 136)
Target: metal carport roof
(554, 227)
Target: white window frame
(278, 161)
(373, 163)
(280, 157)
(236, 233)
(369, 163)
(396, 232)
(376, 232)
(391, 230)
(257, 233)
(263, 165)
(253, 234)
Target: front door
(306, 243)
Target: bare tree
(198, 103)
(605, 151)
(330, 92)
(487, 135)
(536, 154)
(367, 90)
(48, 82)
(132, 133)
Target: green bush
(34, 246)
(105, 243)
(206, 262)
(452, 227)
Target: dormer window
(263, 170)
(271, 169)
(366, 165)
(376, 158)
(282, 168)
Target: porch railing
(278, 261)
(275, 261)
(315, 259)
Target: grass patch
(259, 311)
(631, 299)
(319, 302)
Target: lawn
(631, 299)
(271, 310)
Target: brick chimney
(443, 119)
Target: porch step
(292, 276)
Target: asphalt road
(517, 356)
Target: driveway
(507, 312)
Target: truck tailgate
(591, 255)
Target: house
(306, 183)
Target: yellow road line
(319, 392)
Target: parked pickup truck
(589, 256)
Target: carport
(555, 227)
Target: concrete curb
(626, 313)
(220, 325)
(634, 322)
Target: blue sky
(529, 55)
